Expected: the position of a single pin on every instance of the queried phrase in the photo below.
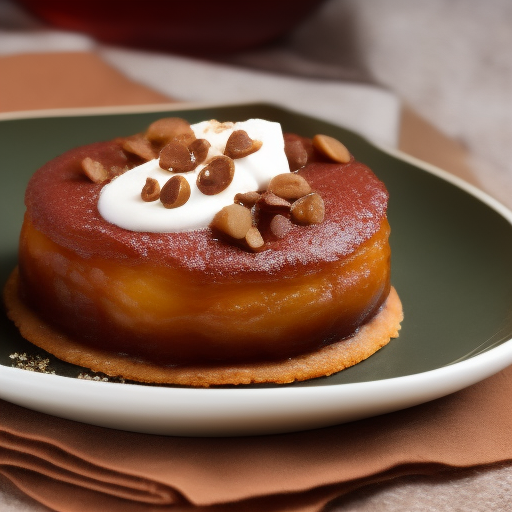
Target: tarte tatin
(288, 281)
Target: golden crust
(326, 361)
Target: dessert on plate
(206, 254)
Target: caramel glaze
(182, 298)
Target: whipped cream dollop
(120, 201)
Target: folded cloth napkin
(70, 467)
(74, 467)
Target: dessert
(211, 254)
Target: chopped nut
(176, 157)
(269, 202)
(151, 190)
(139, 146)
(309, 209)
(217, 127)
(295, 153)
(233, 220)
(94, 170)
(216, 176)
(331, 148)
(240, 145)
(175, 192)
(247, 199)
(166, 129)
(289, 186)
(253, 239)
(184, 138)
(199, 149)
(280, 226)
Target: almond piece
(175, 192)
(240, 145)
(199, 149)
(331, 148)
(94, 170)
(289, 186)
(176, 157)
(233, 220)
(150, 191)
(280, 226)
(216, 176)
(295, 153)
(166, 129)
(253, 239)
(309, 209)
(247, 199)
(138, 145)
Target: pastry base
(328, 360)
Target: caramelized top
(61, 202)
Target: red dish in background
(200, 27)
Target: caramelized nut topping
(280, 226)
(151, 190)
(289, 186)
(175, 192)
(176, 157)
(199, 149)
(247, 199)
(239, 145)
(253, 239)
(269, 202)
(216, 176)
(331, 148)
(233, 220)
(217, 127)
(309, 209)
(295, 153)
(94, 170)
(184, 138)
(166, 129)
(139, 146)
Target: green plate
(451, 244)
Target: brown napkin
(72, 467)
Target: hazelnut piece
(239, 145)
(247, 199)
(280, 226)
(233, 220)
(175, 192)
(216, 176)
(199, 149)
(295, 153)
(289, 186)
(150, 191)
(94, 170)
(253, 239)
(176, 157)
(309, 209)
(331, 148)
(269, 202)
(166, 129)
(138, 145)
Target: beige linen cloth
(70, 467)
